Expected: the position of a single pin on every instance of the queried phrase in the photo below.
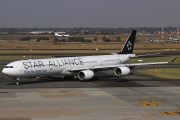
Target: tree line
(88, 30)
(69, 39)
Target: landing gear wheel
(95, 78)
(17, 80)
(17, 83)
(68, 77)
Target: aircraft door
(101, 61)
(20, 68)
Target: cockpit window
(9, 67)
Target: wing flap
(149, 63)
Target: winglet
(173, 60)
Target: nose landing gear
(17, 80)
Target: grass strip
(168, 73)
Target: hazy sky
(89, 13)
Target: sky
(89, 13)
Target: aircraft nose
(5, 71)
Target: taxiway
(135, 97)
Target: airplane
(83, 67)
(61, 35)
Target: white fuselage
(60, 66)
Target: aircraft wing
(146, 55)
(119, 65)
(149, 63)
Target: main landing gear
(17, 80)
(90, 80)
(68, 77)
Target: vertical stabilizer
(129, 45)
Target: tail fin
(129, 45)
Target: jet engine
(85, 75)
(122, 71)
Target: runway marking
(150, 115)
(104, 82)
(171, 113)
(98, 93)
(149, 103)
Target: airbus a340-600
(83, 67)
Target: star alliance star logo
(129, 46)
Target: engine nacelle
(85, 75)
(122, 71)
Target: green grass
(169, 73)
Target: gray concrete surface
(133, 97)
